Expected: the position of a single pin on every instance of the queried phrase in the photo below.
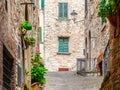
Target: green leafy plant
(32, 39)
(38, 70)
(26, 39)
(26, 25)
(29, 40)
(107, 8)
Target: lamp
(74, 16)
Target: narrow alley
(72, 81)
(44, 44)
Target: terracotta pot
(35, 86)
(113, 20)
(26, 43)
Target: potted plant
(38, 71)
(26, 40)
(108, 10)
(25, 26)
(31, 41)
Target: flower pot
(113, 20)
(32, 43)
(36, 86)
(23, 32)
(26, 43)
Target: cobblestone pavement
(72, 81)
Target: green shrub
(107, 8)
(38, 70)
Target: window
(63, 10)
(40, 34)
(8, 70)
(19, 75)
(6, 5)
(33, 1)
(18, 52)
(63, 45)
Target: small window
(18, 55)
(63, 10)
(63, 45)
(19, 75)
(6, 5)
(33, 5)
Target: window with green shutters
(86, 6)
(63, 45)
(63, 10)
(42, 4)
(40, 34)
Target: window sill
(63, 19)
(62, 53)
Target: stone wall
(10, 35)
(112, 79)
(54, 28)
(97, 34)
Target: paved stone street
(72, 81)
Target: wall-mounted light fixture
(74, 16)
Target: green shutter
(60, 45)
(63, 10)
(85, 6)
(60, 10)
(66, 45)
(40, 34)
(63, 45)
(42, 4)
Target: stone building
(41, 27)
(14, 57)
(97, 36)
(63, 39)
(112, 79)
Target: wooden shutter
(63, 45)
(60, 10)
(42, 4)
(60, 45)
(85, 6)
(40, 34)
(65, 10)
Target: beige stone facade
(97, 34)
(55, 28)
